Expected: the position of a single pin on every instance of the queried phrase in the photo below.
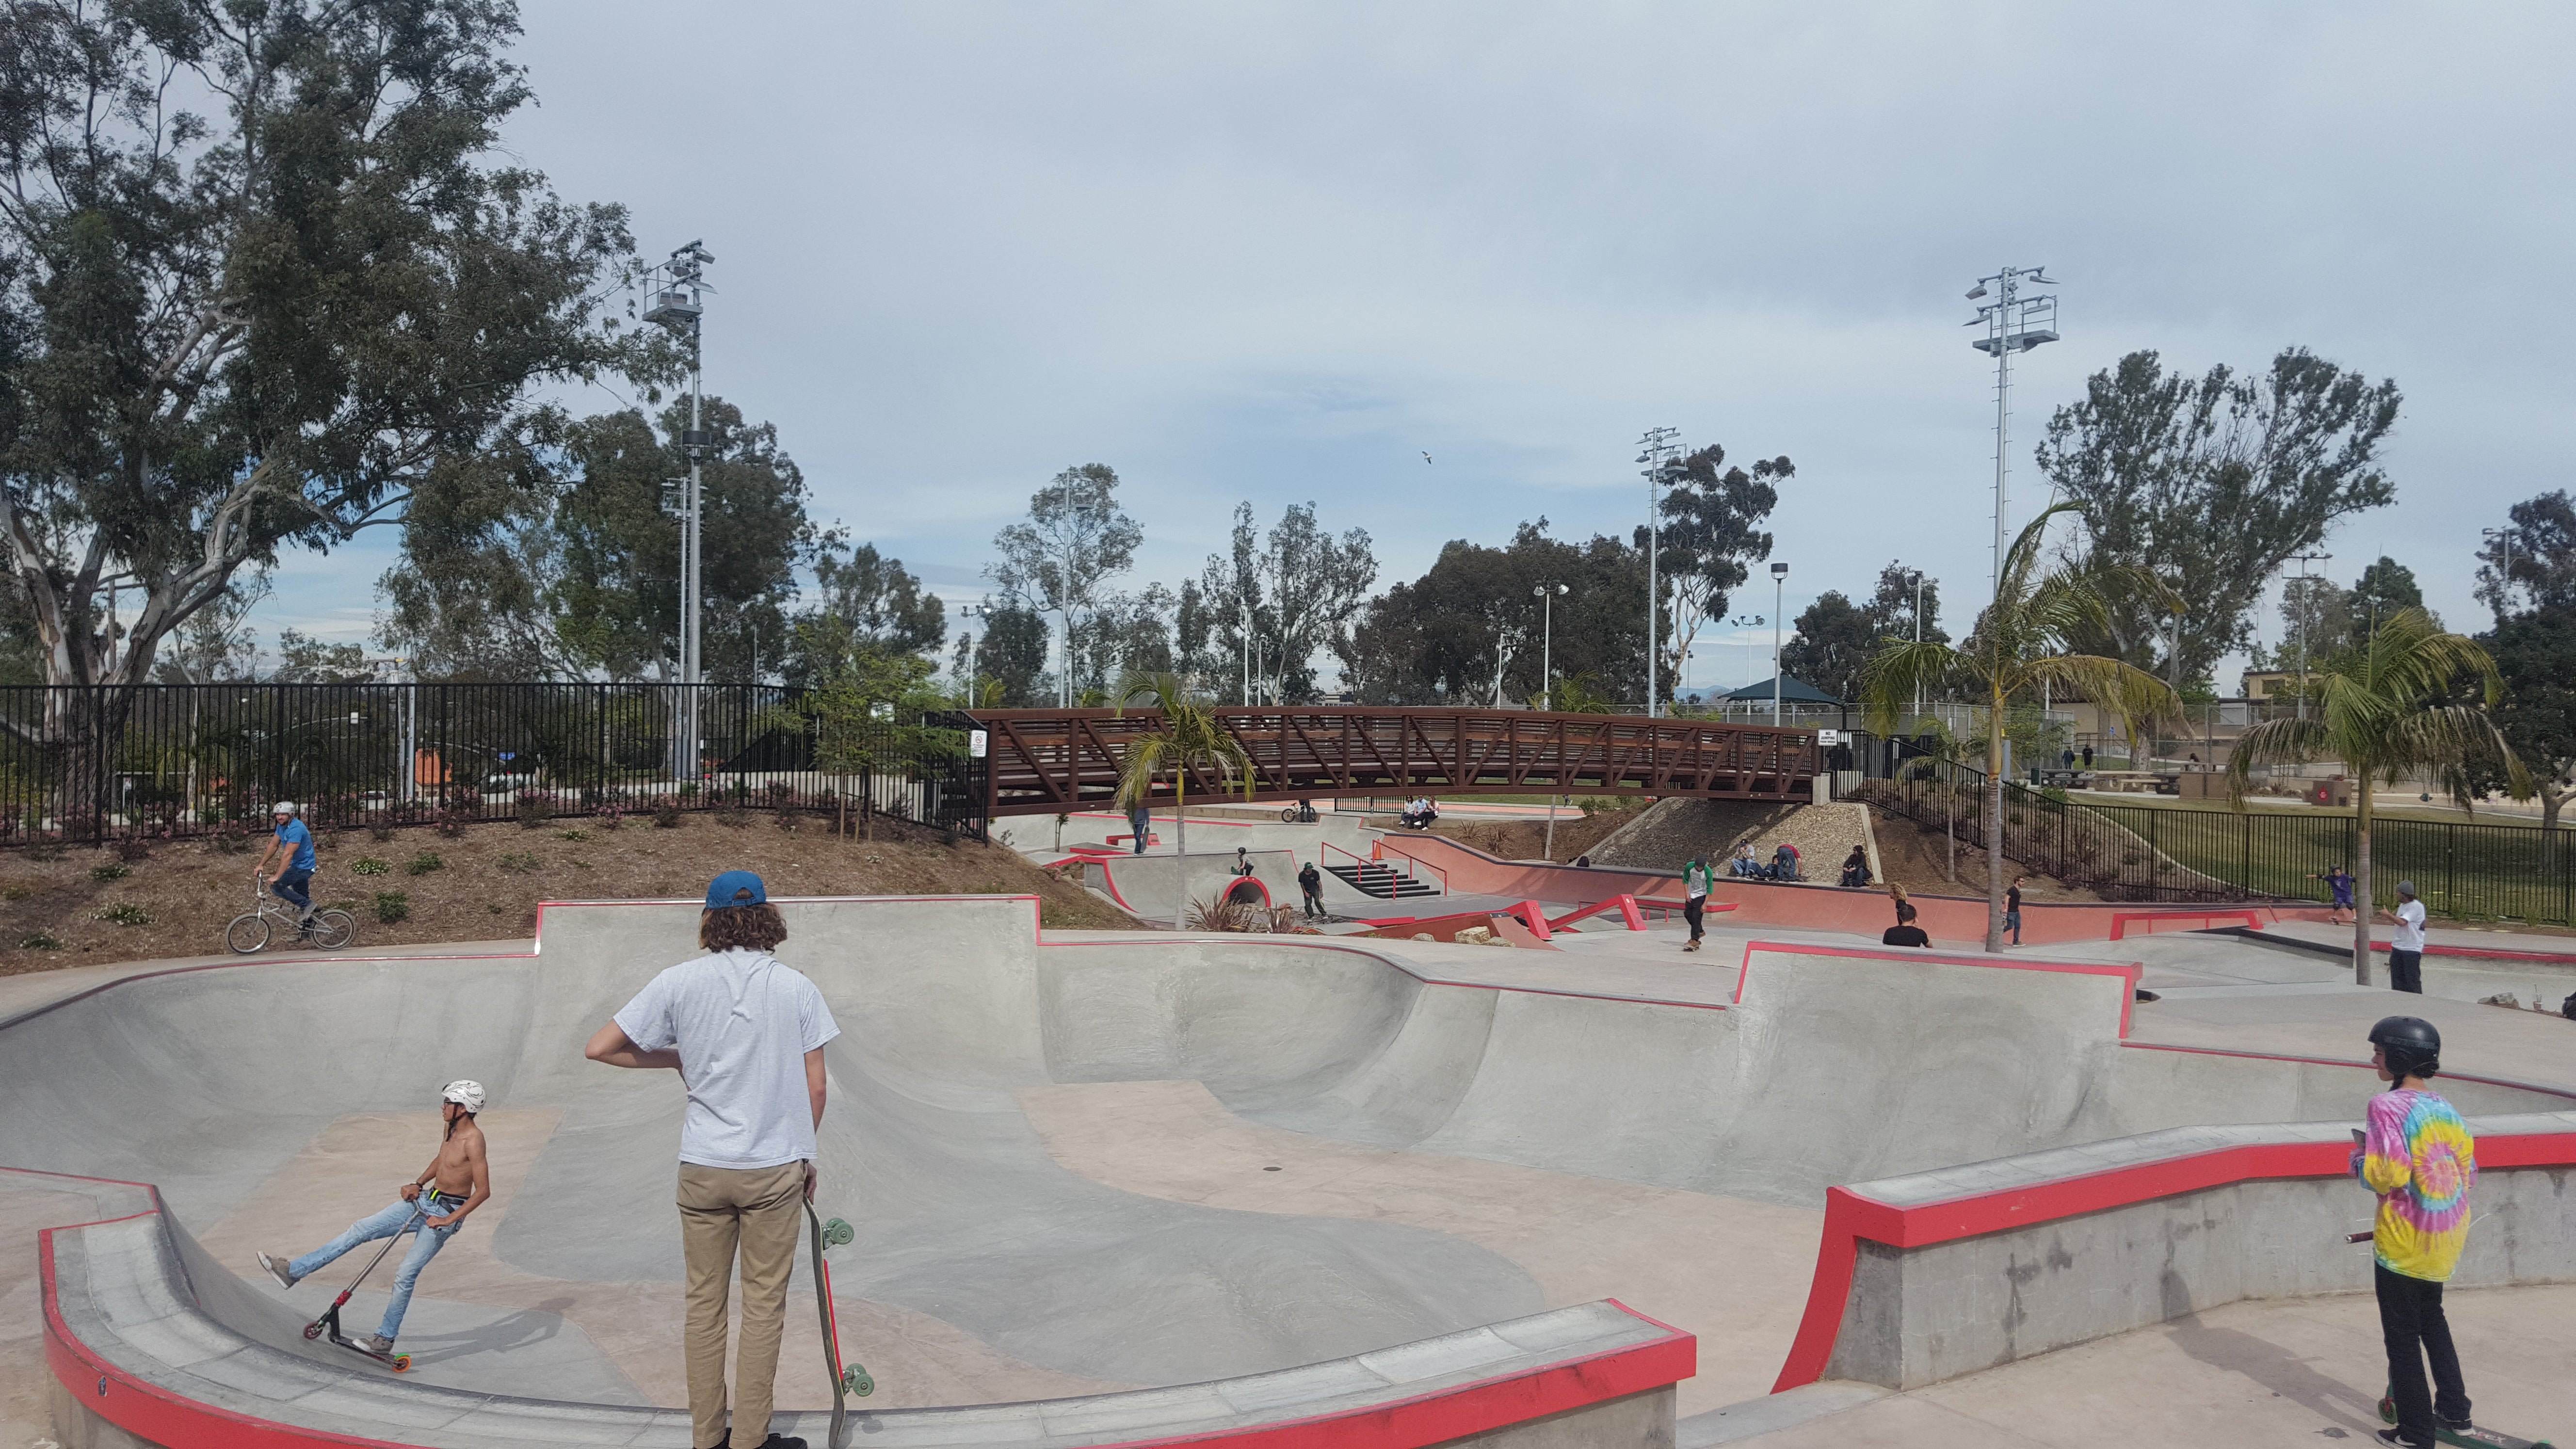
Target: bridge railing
(1045, 761)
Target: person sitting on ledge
(1856, 866)
(1905, 932)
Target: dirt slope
(487, 882)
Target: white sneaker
(277, 1269)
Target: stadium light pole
(1918, 638)
(2503, 538)
(2014, 323)
(678, 288)
(2305, 603)
(1656, 451)
(972, 614)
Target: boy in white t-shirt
(746, 1034)
(2406, 949)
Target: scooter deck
(398, 1362)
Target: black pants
(1692, 910)
(1315, 903)
(2406, 971)
(2410, 1318)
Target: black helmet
(2408, 1033)
(2413, 1046)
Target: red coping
(2121, 920)
(156, 1414)
(1850, 1217)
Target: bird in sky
(1426, 457)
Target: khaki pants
(755, 1210)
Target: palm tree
(2016, 649)
(1191, 742)
(2383, 710)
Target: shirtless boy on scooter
(459, 1181)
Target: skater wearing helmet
(2418, 1156)
(293, 846)
(746, 1032)
(458, 1180)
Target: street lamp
(972, 612)
(1779, 581)
(2014, 323)
(1657, 453)
(1547, 597)
(1740, 623)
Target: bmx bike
(249, 931)
(1301, 813)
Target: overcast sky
(1280, 252)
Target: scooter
(329, 1322)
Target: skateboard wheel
(2388, 1410)
(856, 1380)
(836, 1232)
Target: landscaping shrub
(368, 865)
(518, 864)
(105, 873)
(535, 810)
(126, 913)
(38, 941)
(392, 906)
(424, 863)
(667, 817)
(380, 830)
(133, 850)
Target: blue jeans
(289, 888)
(386, 1224)
(2012, 923)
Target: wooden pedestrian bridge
(1046, 761)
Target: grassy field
(2268, 805)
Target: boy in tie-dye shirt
(2418, 1156)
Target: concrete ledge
(140, 1357)
(1925, 1277)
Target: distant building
(2271, 684)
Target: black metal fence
(2460, 869)
(96, 763)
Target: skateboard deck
(848, 1380)
(2470, 1439)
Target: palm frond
(1898, 671)
(2274, 742)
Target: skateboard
(2472, 1438)
(848, 1380)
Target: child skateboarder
(2418, 1156)
(747, 1032)
(2338, 881)
(459, 1181)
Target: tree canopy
(1298, 590)
(2207, 485)
(1709, 540)
(1472, 629)
(262, 326)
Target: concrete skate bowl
(1142, 1190)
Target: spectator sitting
(1784, 861)
(1744, 863)
(1856, 867)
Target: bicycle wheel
(333, 929)
(1288, 816)
(247, 933)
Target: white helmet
(464, 1093)
(283, 807)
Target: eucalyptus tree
(2019, 646)
(262, 268)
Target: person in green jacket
(1695, 878)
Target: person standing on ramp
(746, 1033)
(2406, 948)
(1694, 899)
(1310, 883)
(2418, 1156)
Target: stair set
(1374, 878)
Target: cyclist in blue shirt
(295, 863)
